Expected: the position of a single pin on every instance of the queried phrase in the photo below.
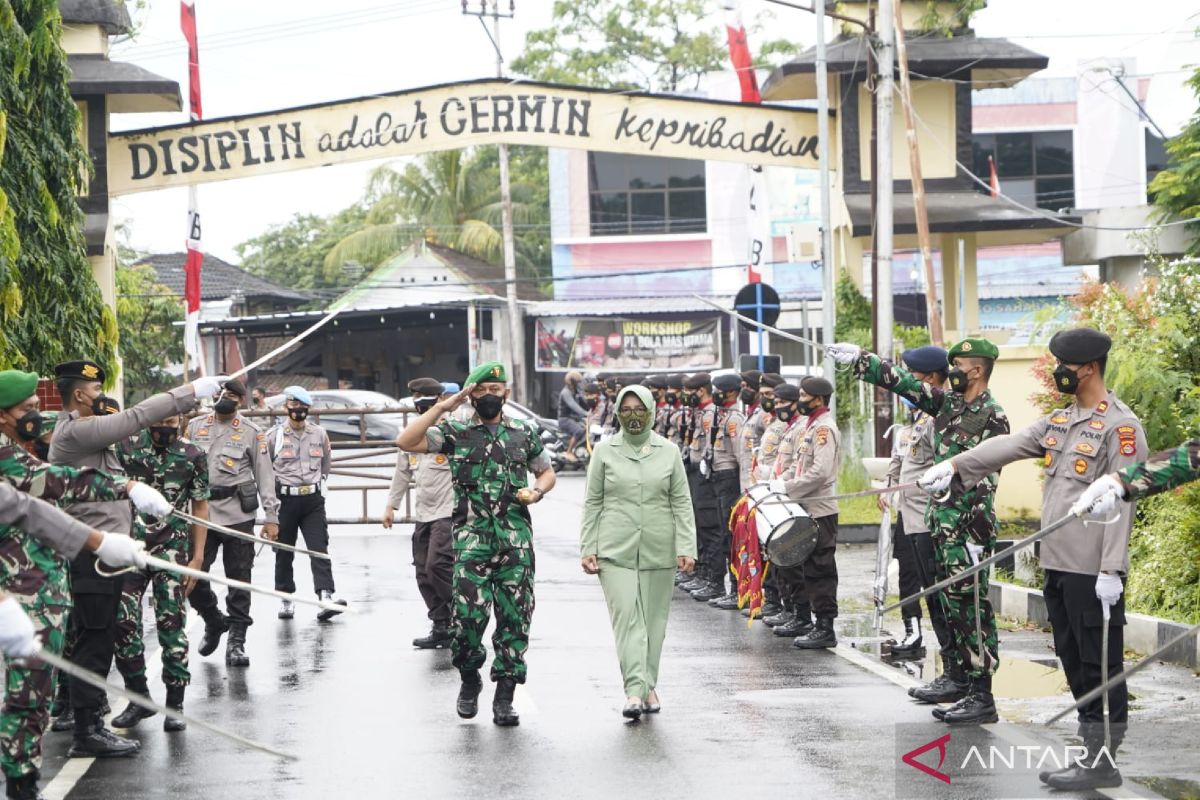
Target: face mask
(1066, 380)
(589, 402)
(226, 405)
(163, 435)
(747, 396)
(104, 405)
(29, 426)
(784, 413)
(424, 404)
(634, 422)
(299, 413)
(767, 404)
(958, 380)
(671, 398)
(42, 449)
(691, 400)
(488, 406)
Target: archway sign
(457, 115)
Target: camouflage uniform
(493, 539)
(37, 577)
(180, 472)
(1162, 471)
(967, 517)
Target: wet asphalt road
(371, 717)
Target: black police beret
(630, 380)
(929, 358)
(787, 392)
(656, 381)
(752, 377)
(601, 377)
(80, 370)
(815, 386)
(1080, 345)
(612, 382)
(701, 380)
(675, 381)
(771, 379)
(727, 383)
(425, 386)
(235, 386)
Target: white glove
(16, 631)
(937, 478)
(208, 386)
(596, 430)
(148, 500)
(975, 551)
(704, 468)
(118, 550)
(1108, 589)
(844, 352)
(777, 486)
(1100, 499)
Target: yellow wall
(1012, 383)
(934, 104)
(84, 39)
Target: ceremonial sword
(87, 676)
(764, 326)
(333, 312)
(250, 537)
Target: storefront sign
(620, 345)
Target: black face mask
(29, 426)
(747, 396)
(590, 402)
(1066, 380)
(424, 404)
(671, 398)
(104, 405)
(767, 404)
(691, 400)
(42, 449)
(161, 436)
(958, 380)
(805, 408)
(226, 405)
(488, 406)
(299, 413)
(784, 413)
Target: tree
(651, 45)
(293, 254)
(50, 306)
(150, 340)
(1176, 190)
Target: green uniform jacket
(1162, 471)
(638, 510)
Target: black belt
(222, 492)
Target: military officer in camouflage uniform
(963, 523)
(1161, 472)
(490, 461)
(239, 474)
(177, 468)
(730, 466)
(1085, 568)
(433, 505)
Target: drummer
(818, 458)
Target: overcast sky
(268, 54)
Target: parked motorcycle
(556, 447)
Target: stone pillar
(948, 245)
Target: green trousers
(639, 601)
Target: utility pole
(829, 293)
(883, 244)
(516, 326)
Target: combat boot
(770, 609)
(93, 740)
(820, 636)
(468, 694)
(502, 710)
(710, 591)
(694, 584)
(215, 625)
(235, 648)
(134, 713)
(326, 614)
(287, 610)
(911, 646)
(727, 603)
(65, 721)
(1096, 770)
(949, 687)
(24, 787)
(775, 620)
(977, 708)
(175, 703)
(439, 637)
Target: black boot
(65, 721)
(819, 637)
(977, 708)
(775, 620)
(24, 787)
(215, 625)
(949, 687)
(175, 703)
(468, 694)
(1096, 770)
(133, 713)
(93, 740)
(710, 591)
(235, 648)
(439, 637)
(692, 584)
(502, 710)
(798, 625)
(912, 646)
(326, 614)
(727, 603)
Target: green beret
(489, 372)
(975, 347)
(16, 386)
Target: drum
(786, 531)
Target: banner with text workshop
(459, 115)
(626, 345)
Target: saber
(1117, 680)
(883, 558)
(756, 323)
(897, 487)
(290, 342)
(1104, 677)
(87, 676)
(985, 563)
(212, 526)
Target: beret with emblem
(425, 386)
(929, 358)
(80, 370)
(752, 377)
(770, 379)
(1080, 345)
(675, 381)
(787, 392)
(701, 380)
(16, 387)
(488, 372)
(975, 347)
(299, 394)
(656, 381)
(235, 386)
(727, 382)
(814, 386)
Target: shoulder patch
(822, 435)
(1127, 440)
(731, 428)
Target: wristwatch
(540, 493)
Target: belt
(299, 491)
(222, 492)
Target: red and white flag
(993, 180)
(195, 249)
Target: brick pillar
(47, 393)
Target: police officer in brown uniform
(239, 474)
(730, 466)
(433, 507)
(301, 457)
(1085, 567)
(84, 436)
(815, 475)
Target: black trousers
(771, 585)
(792, 590)
(1077, 620)
(709, 539)
(914, 551)
(93, 626)
(728, 488)
(820, 570)
(305, 515)
(433, 558)
(237, 555)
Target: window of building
(1156, 160)
(1036, 168)
(645, 195)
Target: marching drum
(786, 531)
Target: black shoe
(820, 636)
(692, 585)
(235, 648)
(24, 787)
(727, 603)
(945, 688)
(131, 716)
(797, 626)
(633, 711)
(710, 591)
(775, 620)
(502, 710)
(101, 743)
(64, 722)
(325, 614)
(214, 628)
(770, 610)
(439, 636)
(1081, 778)
(912, 645)
(175, 703)
(977, 708)
(468, 695)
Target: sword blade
(1104, 679)
(250, 537)
(170, 566)
(79, 673)
(897, 487)
(304, 334)
(757, 324)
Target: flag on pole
(993, 180)
(195, 248)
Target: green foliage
(146, 315)
(1165, 577)
(293, 254)
(50, 306)
(1176, 190)
(648, 45)
(957, 17)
